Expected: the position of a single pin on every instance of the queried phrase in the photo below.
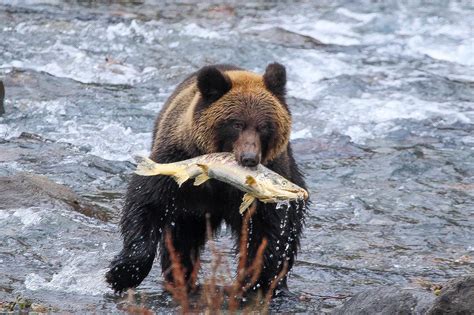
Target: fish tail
(147, 167)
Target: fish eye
(284, 183)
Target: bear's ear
(212, 83)
(275, 78)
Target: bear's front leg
(141, 231)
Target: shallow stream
(382, 96)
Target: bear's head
(242, 112)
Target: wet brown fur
(248, 98)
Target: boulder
(23, 190)
(457, 297)
(387, 300)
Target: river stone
(286, 38)
(23, 190)
(457, 297)
(387, 300)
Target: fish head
(290, 191)
(282, 189)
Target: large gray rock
(387, 300)
(30, 190)
(98, 184)
(457, 297)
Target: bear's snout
(249, 159)
(247, 148)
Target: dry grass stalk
(273, 285)
(246, 273)
(256, 267)
(194, 275)
(133, 307)
(213, 296)
(178, 288)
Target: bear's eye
(265, 128)
(238, 125)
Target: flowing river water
(382, 97)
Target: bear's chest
(210, 197)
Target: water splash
(79, 275)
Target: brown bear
(220, 108)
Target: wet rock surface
(387, 300)
(381, 96)
(24, 190)
(455, 297)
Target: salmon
(257, 182)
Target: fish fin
(305, 195)
(180, 176)
(204, 167)
(246, 202)
(200, 179)
(250, 180)
(146, 166)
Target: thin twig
(178, 288)
(274, 284)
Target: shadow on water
(383, 121)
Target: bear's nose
(249, 159)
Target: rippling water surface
(382, 96)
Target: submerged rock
(24, 190)
(97, 182)
(286, 38)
